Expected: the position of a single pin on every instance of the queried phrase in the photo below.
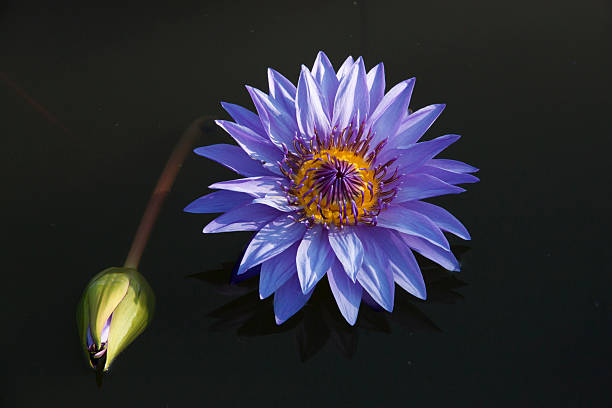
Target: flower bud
(116, 306)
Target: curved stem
(161, 191)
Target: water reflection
(320, 321)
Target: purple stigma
(342, 175)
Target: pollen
(334, 179)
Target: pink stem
(161, 191)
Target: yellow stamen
(330, 211)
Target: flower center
(334, 180)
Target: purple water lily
(335, 175)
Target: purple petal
(420, 186)
(276, 271)
(271, 240)
(310, 106)
(439, 216)
(233, 157)
(386, 118)
(281, 89)
(314, 257)
(448, 176)
(452, 165)
(345, 68)
(254, 145)
(375, 275)
(406, 271)
(415, 125)
(367, 300)
(352, 101)
(442, 257)
(348, 249)
(416, 155)
(254, 186)
(411, 222)
(251, 273)
(105, 329)
(325, 77)
(289, 299)
(245, 117)
(280, 85)
(278, 122)
(249, 217)
(218, 201)
(346, 292)
(376, 85)
(276, 200)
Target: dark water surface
(528, 322)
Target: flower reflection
(320, 322)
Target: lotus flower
(334, 181)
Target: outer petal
(411, 222)
(386, 118)
(276, 271)
(314, 257)
(416, 124)
(420, 186)
(130, 317)
(310, 106)
(376, 85)
(452, 165)
(281, 89)
(348, 249)
(416, 155)
(217, 202)
(245, 117)
(448, 176)
(276, 200)
(249, 217)
(375, 275)
(352, 101)
(278, 122)
(289, 299)
(346, 292)
(440, 217)
(442, 257)
(345, 68)
(406, 271)
(102, 296)
(254, 186)
(251, 273)
(254, 145)
(270, 241)
(325, 76)
(233, 157)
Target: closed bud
(116, 306)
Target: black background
(527, 85)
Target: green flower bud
(116, 306)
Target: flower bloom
(334, 178)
